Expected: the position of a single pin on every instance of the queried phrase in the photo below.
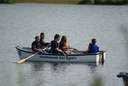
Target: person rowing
(36, 46)
(42, 42)
(55, 45)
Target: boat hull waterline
(24, 52)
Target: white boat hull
(24, 52)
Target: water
(19, 23)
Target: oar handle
(31, 56)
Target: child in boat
(42, 42)
(93, 48)
(55, 45)
(36, 45)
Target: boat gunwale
(21, 49)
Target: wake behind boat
(76, 57)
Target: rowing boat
(77, 56)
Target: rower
(42, 42)
(55, 45)
(36, 45)
(93, 48)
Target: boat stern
(100, 58)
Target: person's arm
(57, 47)
(89, 46)
(35, 49)
(59, 50)
(97, 49)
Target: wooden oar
(25, 59)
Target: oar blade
(21, 61)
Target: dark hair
(63, 39)
(93, 40)
(56, 36)
(42, 33)
(62, 42)
(36, 37)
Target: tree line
(108, 2)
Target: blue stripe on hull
(60, 57)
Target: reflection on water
(38, 66)
(52, 72)
(20, 75)
(97, 80)
(124, 30)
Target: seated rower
(42, 42)
(63, 45)
(55, 45)
(36, 45)
(93, 48)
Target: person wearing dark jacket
(55, 45)
(93, 48)
(36, 45)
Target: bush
(11, 1)
(85, 2)
(7, 1)
(111, 2)
(116, 2)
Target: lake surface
(19, 23)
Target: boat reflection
(39, 66)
